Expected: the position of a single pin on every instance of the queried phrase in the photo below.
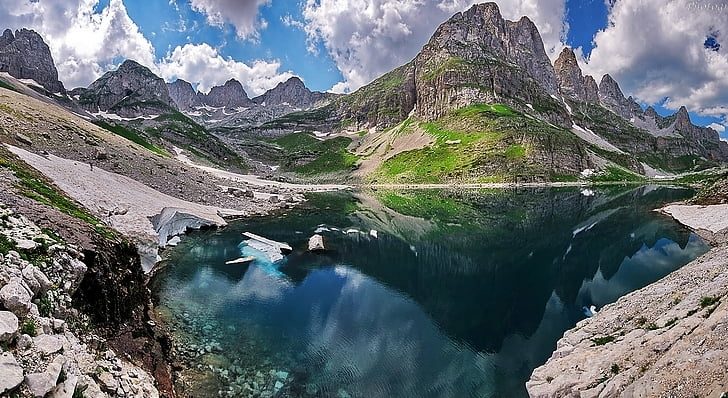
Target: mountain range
(481, 102)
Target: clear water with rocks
(460, 294)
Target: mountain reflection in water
(462, 293)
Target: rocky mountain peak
(6, 38)
(130, 91)
(682, 119)
(24, 55)
(569, 77)
(183, 94)
(683, 115)
(292, 92)
(478, 56)
(230, 95)
(651, 113)
(611, 96)
(591, 90)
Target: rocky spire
(183, 94)
(682, 119)
(24, 55)
(591, 90)
(230, 95)
(524, 47)
(611, 96)
(568, 75)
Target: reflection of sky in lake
(377, 319)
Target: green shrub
(29, 328)
(708, 301)
(602, 340)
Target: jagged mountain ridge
(479, 57)
(230, 106)
(650, 133)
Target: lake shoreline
(666, 331)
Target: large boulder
(15, 296)
(48, 344)
(8, 326)
(42, 383)
(12, 373)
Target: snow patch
(30, 82)
(592, 138)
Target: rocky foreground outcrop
(47, 350)
(25, 55)
(665, 340)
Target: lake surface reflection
(461, 294)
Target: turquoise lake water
(460, 294)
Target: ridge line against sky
(664, 53)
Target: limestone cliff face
(24, 55)
(478, 56)
(130, 91)
(230, 95)
(183, 94)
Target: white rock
(42, 383)
(174, 241)
(48, 344)
(108, 382)
(12, 373)
(374, 234)
(8, 326)
(316, 243)
(15, 296)
(65, 389)
(26, 244)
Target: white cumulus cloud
(203, 65)
(367, 38)
(656, 50)
(242, 14)
(84, 43)
(717, 127)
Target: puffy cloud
(84, 43)
(670, 50)
(367, 38)
(242, 14)
(203, 65)
(717, 127)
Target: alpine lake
(456, 293)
